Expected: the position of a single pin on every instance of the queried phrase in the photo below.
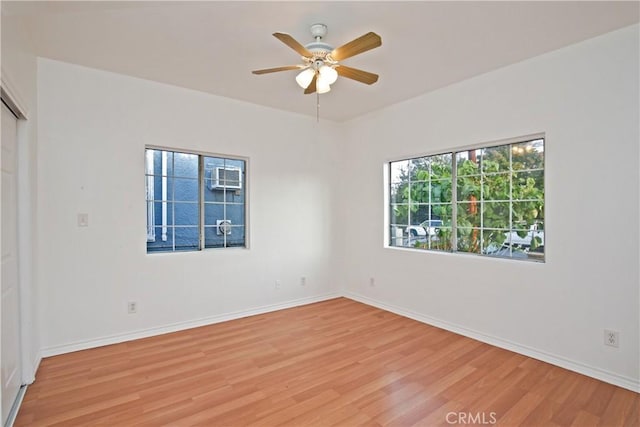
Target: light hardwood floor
(337, 362)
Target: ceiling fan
(321, 62)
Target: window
(486, 201)
(194, 201)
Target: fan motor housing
(319, 48)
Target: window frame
(388, 203)
(201, 198)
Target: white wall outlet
(132, 307)
(303, 281)
(83, 220)
(278, 284)
(611, 338)
(372, 281)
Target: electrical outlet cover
(611, 338)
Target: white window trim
(387, 193)
(246, 187)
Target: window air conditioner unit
(225, 178)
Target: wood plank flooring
(337, 362)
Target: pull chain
(317, 107)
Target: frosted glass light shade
(329, 74)
(304, 78)
(322, 86)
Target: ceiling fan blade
(292, 43)
(273, 70)
(355, 74)
(354, 47)
(312, 86)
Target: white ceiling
(213, 46)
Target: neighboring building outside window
(194, 201)
(486, 201)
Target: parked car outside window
(534, 232)
(424, 229)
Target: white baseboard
(15, 408)
(180, 326)
(35, 364)
(572, 365)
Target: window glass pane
(235, 214)
(493, 240)
(186, 238)
(526, 213)
(183, 189)
(163, 213)
(162, 162)
(213, 237)
(529, 241)
(528, 185)
(397, 236)
(221, 237)
(224, 196)
(440, 166)
(159, 162)
(507, 251)
(220, 194)
(528, 155)
(469, 188)
(468, 163)
(442, 211)
(419, 191)
(185, 165)
(468, 239)
(419, 213)
(499, 196)
(440, 190)
(399, 214)
(237, 236)
(441, 240)
(495, 159)
(173, 190)
(163, 241)
(399, 193)
(496, 214)
(468, 214)
(399, 171)
(213, 212)
(186, 213)
(234, 164)
(420, 169)
(496, 186)
(149, 162)
(235, 196)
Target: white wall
(317, 205)
(93, 129)
(19, 71)
(585, 98)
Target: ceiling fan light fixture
(328, 74)
(304, 78)
(322, 85)
(320, 61)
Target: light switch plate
(83, 220)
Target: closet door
(10, 345)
